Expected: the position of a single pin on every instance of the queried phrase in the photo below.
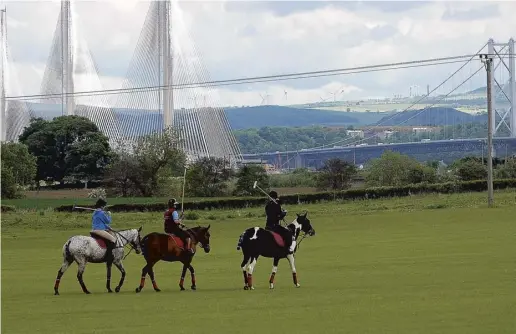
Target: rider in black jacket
(275, 214)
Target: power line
(279, 77)
(419, 100)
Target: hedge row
(353, 194)
(7, 208)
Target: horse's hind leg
(243, 265)
(108, 276)
(120, 267)
(250, 271)
(274, 271)
(80, 272)
(60, 273)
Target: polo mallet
(183, 195)
(255, 185)
(82, 208)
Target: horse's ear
(140, 229)
(297, 214)
(306, 212)
(208, 227)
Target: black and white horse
(83, 249)
(257, 241)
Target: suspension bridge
(167, 85)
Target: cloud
(256, 38)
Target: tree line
(71, 148)
(272, 139)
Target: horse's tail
(241, 240)
(68, 256)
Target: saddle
(179, 242)
(100, 241)
(278, 238)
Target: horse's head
(202, 234)
(136, 240)
(306, 226)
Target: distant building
(355, 133)
(421, 130)
(386, 134)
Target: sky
(256, 38)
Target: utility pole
(488, 62)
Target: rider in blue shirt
(100, 225)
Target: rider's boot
(189, 245)
(110, 246)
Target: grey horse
(84, 249)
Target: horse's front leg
(274, 271)
(108, 276)
(120, 267)
(151, 274)
(291, 260)
(192, 274)
(182, 280)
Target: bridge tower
(504, 95)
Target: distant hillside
(239, 118)
(437, 116)
(260, 116)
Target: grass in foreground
(424, 264)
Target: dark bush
(353, 194)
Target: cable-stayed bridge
(166, 57)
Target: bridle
(127, 242)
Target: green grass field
(423, 264)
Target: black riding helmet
(273, 194)
(100, 203)
(172, 203)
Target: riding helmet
(100, 203)
(172, 202)
(273, 194)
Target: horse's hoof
(138, 290)
(182, 288)
(251, 288)
(56, 293)
(297, 285)
(271, 286)
(157, 290)
(246, 287)
(117, 289)
(194, 287)
(87, 292)
(110, 291)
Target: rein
(128, 243)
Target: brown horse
(170, 248)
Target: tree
(207, 177)
(246, 177)
(142, 170)
(8, 187)
(470, 169)
(67, 146)
(336, 174)
(22, 164)
(395, 169)
(507, 170)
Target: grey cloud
(382, 32)
(488, 11)
(284, 8)
(247, 31)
